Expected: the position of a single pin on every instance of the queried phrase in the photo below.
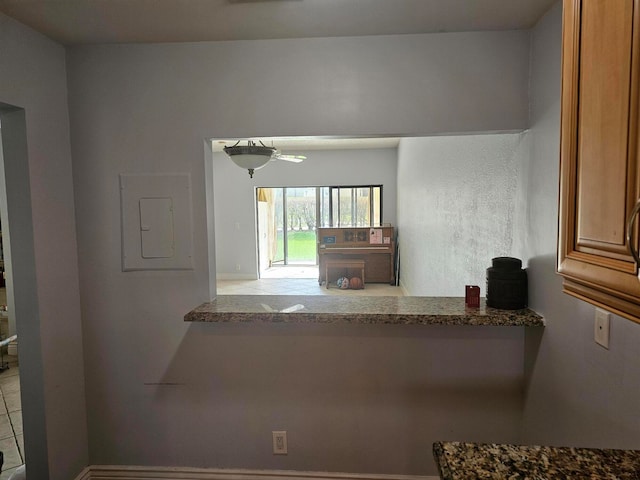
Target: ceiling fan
(253, 156)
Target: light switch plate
(601, 330)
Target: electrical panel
(156, 221)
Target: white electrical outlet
(238, 267)
(601, 332)
(279, 442)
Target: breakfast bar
(357, 310)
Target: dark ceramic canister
(506, 284)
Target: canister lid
(509, 263)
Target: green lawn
(302, 246)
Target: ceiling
(82, 22)
(77, 22)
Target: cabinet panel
(599, 161)
(603, 116)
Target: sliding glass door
(291, 237)
(298, 238)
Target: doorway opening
(21, 300)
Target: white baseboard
(118, 472)
(84, 475)
(405, 292)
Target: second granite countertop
(357, 310)
(470, 461)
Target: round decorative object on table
(355, 283)
(506, 284)
(343, 282)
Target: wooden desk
(344, 264)
(354, 243)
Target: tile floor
(11, 437)
(297, 281)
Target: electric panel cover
(156, 227)
(156, 222)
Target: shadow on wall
(543, 284)
(352, 386)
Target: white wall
(234, 195)
(458, 204)
(578, 393)
(37, 164)
(341, 393)
(148, 108)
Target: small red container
(472, 296)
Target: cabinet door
(599, 145)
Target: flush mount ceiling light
(253, 156)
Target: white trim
(405, 292)
(115, 472)
(84, 475)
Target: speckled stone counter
(357, 310)
(469, 461)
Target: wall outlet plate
(279, 442)
(601, 330)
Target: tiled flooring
(11, 437)
(297, 281)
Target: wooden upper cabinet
(599, 153)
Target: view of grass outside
(301, 245)
(295, 212)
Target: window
(352, 206)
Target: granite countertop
(469, 461)
(357, 310)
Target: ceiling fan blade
(290, 158)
